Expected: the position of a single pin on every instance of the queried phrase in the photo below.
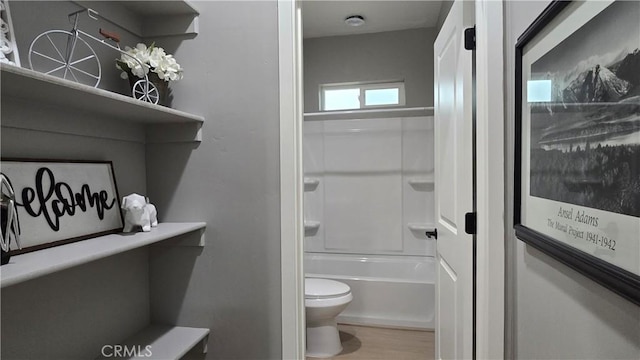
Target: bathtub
(393, 291)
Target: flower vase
(164, 92)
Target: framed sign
(577, 171)
(59, 202)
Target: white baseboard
(386, 323)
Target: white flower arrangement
(153, 59)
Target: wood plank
(158, 342)
(35, 264)
(371, 343)
(37, 87)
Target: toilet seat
(317, 289)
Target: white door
(454, 185)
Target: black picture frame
(22, 173)
(615, 278)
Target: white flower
(156, 56)
(142, 59)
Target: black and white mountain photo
(585, 127)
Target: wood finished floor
(371, 343)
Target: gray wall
(72, 314)
(556, 313)
(444, 11)
(55, 317)
(395, 55)
(231, 181)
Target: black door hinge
(470, 225)
(470, 38)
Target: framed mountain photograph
(577, 152)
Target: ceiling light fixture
(354, 20)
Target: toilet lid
(324, 288)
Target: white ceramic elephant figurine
(153, 213)
(138, 212)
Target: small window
(341, 99)
(378, 97)
(361, 96)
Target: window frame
(363, 88)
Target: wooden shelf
(42, 262)
(164, 342)
(150, 19)
(162, 8)
(40, 88)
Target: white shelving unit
(310, 183)
(420, 227)
(42, 262)
(164, 342)
(421, 181)
(310, 225)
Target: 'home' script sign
(60, 202)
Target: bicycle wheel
(53, 52)
(146, 91)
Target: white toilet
(324, 300)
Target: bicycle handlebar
(90, 13)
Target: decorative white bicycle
(66, 54)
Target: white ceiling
(326, 17)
